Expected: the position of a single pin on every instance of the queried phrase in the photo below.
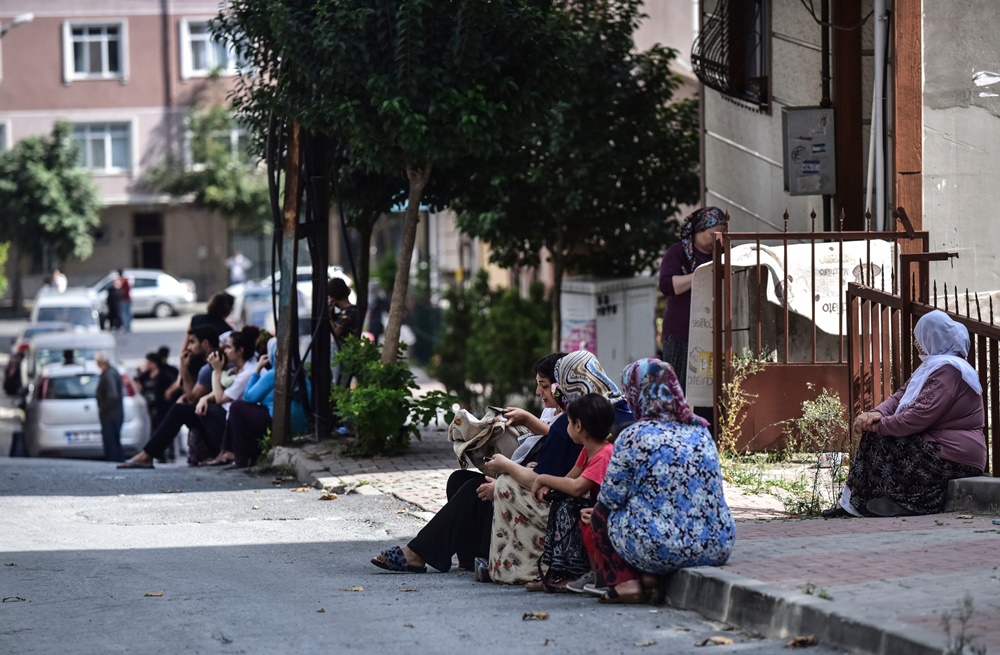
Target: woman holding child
(519, 519)
(929, 432)
(661, 504)
(462, 526)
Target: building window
(95, 51)
(104, 147)
(202, 54)
(3, 138)
(731, 53)
(233, 142)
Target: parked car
(76, 305)
(12, 373)
(153, 293)
(251, 297)
(52, 348)
(60, 413)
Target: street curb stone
(776, 612)
(979, 495)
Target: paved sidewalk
(866, 585)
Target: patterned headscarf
(653, 393)
(699, 221)
(580, 373)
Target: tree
(217, 173)
(597, 181)
(46, 200)
(403, 85)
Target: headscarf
(654, 393)
(580, 373)
(272, 351)
(946, 342)
(698, 221)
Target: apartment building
(124, 74)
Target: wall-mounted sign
(808, 138)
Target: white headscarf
(946, 342)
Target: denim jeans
(111, 435)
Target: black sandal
(394, 560)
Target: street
(97, 560)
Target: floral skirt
(517, 539)
(675, 353)
(906, 470)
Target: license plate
(79, 437)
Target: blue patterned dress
(663, 488)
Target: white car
(76, 305)
(253, 299)
(52, 348)
(60, 413)
(153, 292)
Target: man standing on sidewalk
(110, 408)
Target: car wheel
(163, 310)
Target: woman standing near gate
(929, 432)
(676, 275)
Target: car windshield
(74, 315)
(72, 387)
(47, 356)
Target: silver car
(153, 293)
(53, 348)
(60, 413)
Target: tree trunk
(288, 298)
(418, 180)
(364, 270)
(558, 269)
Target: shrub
(382, 407)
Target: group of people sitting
(224, 394)
(614, 490)
(579, 509)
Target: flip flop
(612, 597)
(129, 464)
(394, 560)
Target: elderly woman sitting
(661, 506)
(929, 432)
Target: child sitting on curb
(590, 420)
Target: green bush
(382, 407)
(490, 341)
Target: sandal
(612, 597)
(393, 559)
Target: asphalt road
(97, 560)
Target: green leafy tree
(598, 179)
(404, 85)
(219, 175)
(46, 200)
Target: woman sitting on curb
(929, 432)
(462, 526)
(661, 506)
(519, 520)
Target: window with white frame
(3, 137)
(234, 142)
(95, 51)
(203, 54)
(104, 147)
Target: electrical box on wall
(809, 151)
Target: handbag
(474, 439)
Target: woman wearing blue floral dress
(661, 506)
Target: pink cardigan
(947, 412)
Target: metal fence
(775, 315)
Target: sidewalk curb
(728, 597)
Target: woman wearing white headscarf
(929, 432)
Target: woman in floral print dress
(661, 507)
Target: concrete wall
(962, 139)
(743, 147)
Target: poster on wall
(579, 334)
(699, 364)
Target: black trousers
(247, 424)
(461, 527)
(211, 426)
